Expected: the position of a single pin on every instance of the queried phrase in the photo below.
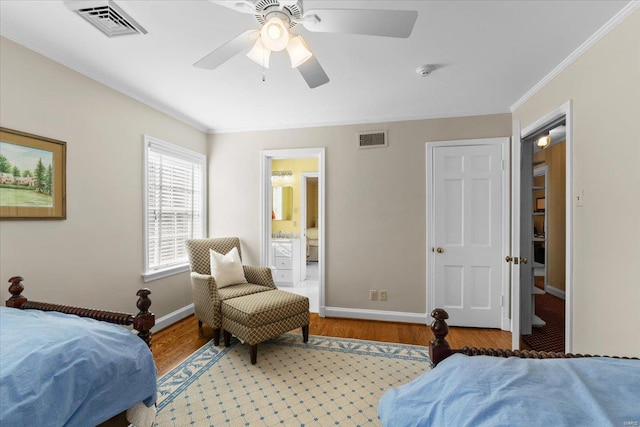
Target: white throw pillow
(227, 269)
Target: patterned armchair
(207, 298)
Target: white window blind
(174, 205)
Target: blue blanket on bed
(491, 391)
(63, 370)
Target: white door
(521, 257)
(467, 229)
(524, 255)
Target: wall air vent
(375, 139)
(106, 16)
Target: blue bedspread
(63, 370)
(491, 391)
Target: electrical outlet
(373, 295)
(383, 295)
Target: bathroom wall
(297, 167)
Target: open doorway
(290, 179)
(544, 219)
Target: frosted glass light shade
(298, 51)
(275, 34)
(544, 141)
(259, 53)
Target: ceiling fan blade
(240, 43)
(387, 23)
(242, 6)
(313, 73)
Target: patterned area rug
(549, 337)
(328, 381)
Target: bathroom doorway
(297, 262)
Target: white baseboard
(555, 291)
(349, 313)
(387, 316)
(172, 318)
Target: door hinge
(502, 165)
(501, 300)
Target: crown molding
(623, 14)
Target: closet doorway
(291, 227)
(542, 232)
(548, 243)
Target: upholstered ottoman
(258, 317)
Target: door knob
(524, 260)
(508, 258)
(440, 250)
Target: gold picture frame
(32, 176)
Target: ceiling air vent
(373, 139)
(106, 16)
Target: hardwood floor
(173, 344)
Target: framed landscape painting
(32, 176)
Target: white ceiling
(490, 53)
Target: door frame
(266, 156)
(565, 110)
(505, 208)
(303, 221)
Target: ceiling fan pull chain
(264, 69)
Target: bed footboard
(439, 348)
(142, 322)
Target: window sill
(160, 274)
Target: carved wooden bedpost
(144, 321)
(15, 289)
(439, 348)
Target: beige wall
(375, 202)
(94, 257)
(604, 85)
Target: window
(174, 206)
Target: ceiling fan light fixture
(275, 34)
(298, 51)
(259, 54)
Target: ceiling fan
(278, 17)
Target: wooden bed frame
(142, 322)
(439, 348)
